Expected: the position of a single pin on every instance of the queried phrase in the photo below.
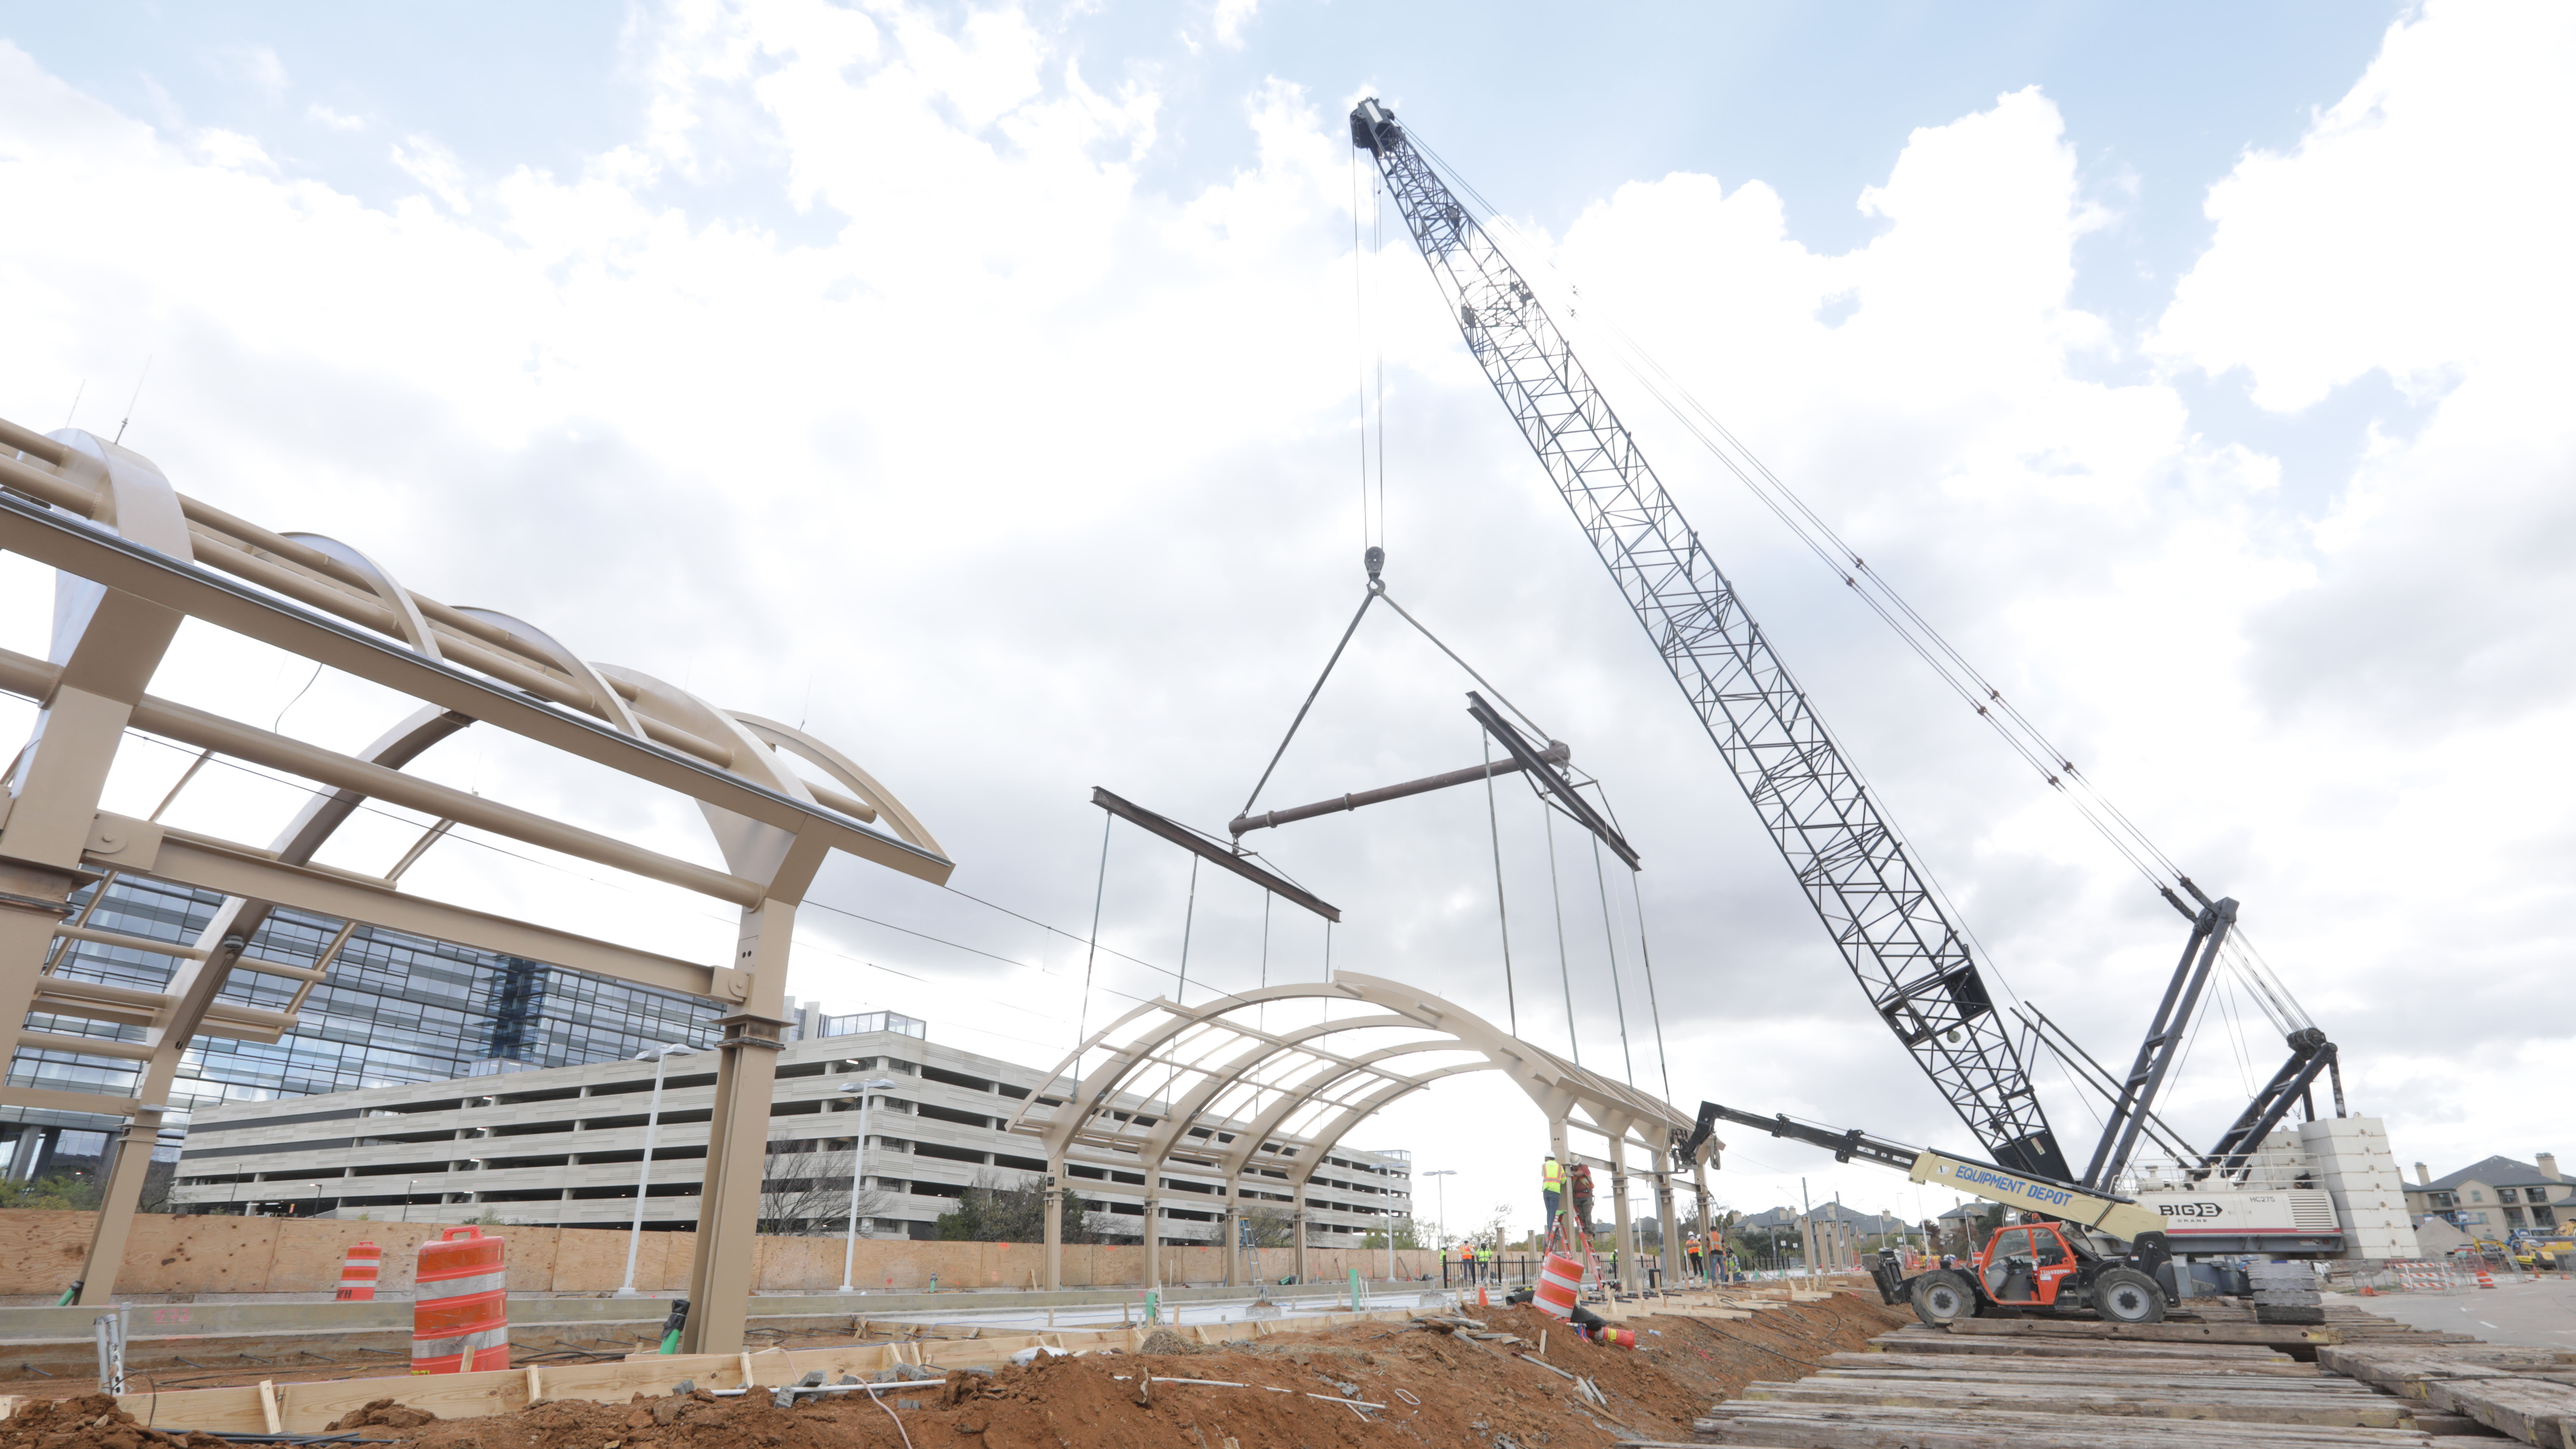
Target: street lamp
(660, 1057)
(858, 1172)
(1444, 1217)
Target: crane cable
(2018, 731)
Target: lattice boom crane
(1914, 963)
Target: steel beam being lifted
(1555, 754)
(1215, 854)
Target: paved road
(2537, 1315)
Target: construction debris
(1444, 1379)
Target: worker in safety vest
(1466, 1262)
(1582, 1176)
(1551, 1181)
(1690, 1253)
(1493, 1263)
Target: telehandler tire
(1941, 1296)
(2125, 1295)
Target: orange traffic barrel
(358, 1273)
(460, 1313)
(1560, 1279)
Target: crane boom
(2119, 1217)
(1911, 960)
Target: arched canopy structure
(1206, 1099)
(133, 559)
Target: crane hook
(1374, 560)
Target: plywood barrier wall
(41, 1253)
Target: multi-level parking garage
(564, 1147)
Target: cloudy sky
(983, 387)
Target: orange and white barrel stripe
(358, 1273)
(460, 1313)
(1560, 1279)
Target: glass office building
(392, 1009)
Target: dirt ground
(1431, 1387)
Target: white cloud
(330, 119)
(255, 65)
(1032, 476)
(433, 165)
(1229, 20)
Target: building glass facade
(393, 1009)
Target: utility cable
(1610, 943)
(1189, 916)
(1535, 727)
(1370, 598)
(1653, 1004)
(1359, 336)
(1564, 970)
(1099, 892)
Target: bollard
(460, 1313)
(358, 1274)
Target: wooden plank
(2536, 1411)
(2110, 1376)
(2371, 1411)
(307, 1408)
(2071, 1348)
(233, 1410)
(268, 1406)
(2255, 1333)
(1864, 1428)
(1979, 1365)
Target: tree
(995, 1211)
(1650, 1232)
(1269, 1227)
(806, 1193)
(1408, 1234)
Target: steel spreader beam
(1913, 962)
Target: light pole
(660, 1057)
(1444, 1216)
(858, 1174)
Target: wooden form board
(308, 1408)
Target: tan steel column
(720, 1278)
(1055, 1225)
(1232, 1226)
(1570, 1225)
(1625, 1254)
(1153, 1241)
(108, 644)
(1676, 1263)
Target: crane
(1911, 959)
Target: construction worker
(1492, 1268)
(1690, 1252)
(1466, 1262)
(1551, 1181)
(1582, 1177)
